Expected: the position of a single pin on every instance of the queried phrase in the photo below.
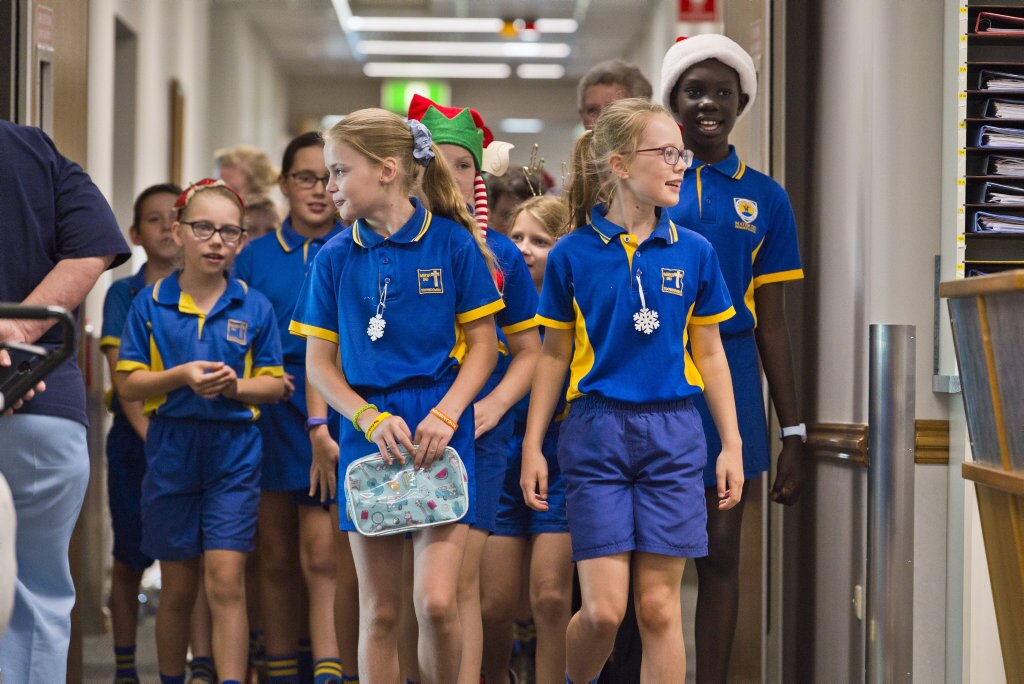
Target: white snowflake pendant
(376, 328)
(646, 321)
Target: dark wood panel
(931, 441)
(844, 442)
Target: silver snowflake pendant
(646, 321)
(376, 328)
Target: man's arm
(66, 285)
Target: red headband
(186, 196)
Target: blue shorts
(745, 367)
(202, 487)
(412, 402)
(286, 450)
(633, 478)
(515, 518)
(126, 466)
(493, 450)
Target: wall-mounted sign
(697, 10)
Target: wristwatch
(794, 431)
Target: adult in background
(607, 82)
(58, 235)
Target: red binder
(990, 22)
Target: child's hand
(323, 471)
(729, 470)
(229, 386)
(432, 436)
(486, 413)
(289, 386)
(534, 479)
(388, 435)
(206, 378)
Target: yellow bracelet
(381, 417)
(360, 411)
(444, 418)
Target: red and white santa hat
(695, 49)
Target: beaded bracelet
(444, 418)
(362, 409)
(381, 417)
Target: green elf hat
(462, 127)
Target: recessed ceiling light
(540, 71)
(428, 48)
(435, 70)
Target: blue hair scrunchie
(421, 140)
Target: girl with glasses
(624, 294)
(201, 350)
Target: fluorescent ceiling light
(449, 25)
(427, 48)
(540, 71)
(435, 70)
(425, 24)
(557, 25)
(526, 126)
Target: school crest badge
(430, 281)
(745, 208)
(238, 331)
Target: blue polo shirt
(436, 280)
(49, 211)
(277, 265)
(165, 329)
(115, 313)
(517, 291)
(748, 219)
(590, 287)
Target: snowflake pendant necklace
(375, 330)
(645, 320)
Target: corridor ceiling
(308, 39)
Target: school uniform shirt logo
(672, 281)
(238, 331)
(747, 211)
(430, 281)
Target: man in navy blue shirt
(57, 235)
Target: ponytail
(584, 181)
(444, 198)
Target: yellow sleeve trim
(780, 277)
(520, 326)
(110, 341)
(130, 366)
(303, 330)
(272, 371)
(716, 318)
(480, 311)
(552, 323)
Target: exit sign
(395, 95)
(696, 10)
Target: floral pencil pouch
(384, 499)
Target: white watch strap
(794, 431)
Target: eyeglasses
(204, 230)
(672, 155)
(307, 179)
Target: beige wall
(553, 102)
